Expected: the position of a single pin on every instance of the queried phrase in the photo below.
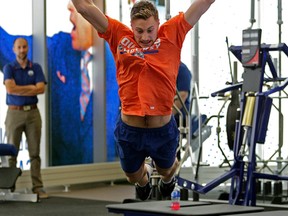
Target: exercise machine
(251, 127)
(9, 176)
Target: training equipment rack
(252, 122)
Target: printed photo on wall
(70, 72)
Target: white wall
(229, 18)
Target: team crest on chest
(30, 72)
(126, 46)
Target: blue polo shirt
(184, 83)
(30, 75)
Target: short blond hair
(143, 9)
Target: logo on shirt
(127, 46)
(30, 72)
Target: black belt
(24, 108)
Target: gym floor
(115, 192)
(121, 190)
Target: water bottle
(175, 198)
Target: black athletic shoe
(144, 192)
(166, 189)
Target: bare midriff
(145, 121)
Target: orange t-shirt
(147, 76)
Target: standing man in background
(183, 84)
(24, 80)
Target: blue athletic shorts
(135, 144)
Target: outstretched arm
(196, 10)
(92, 14)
